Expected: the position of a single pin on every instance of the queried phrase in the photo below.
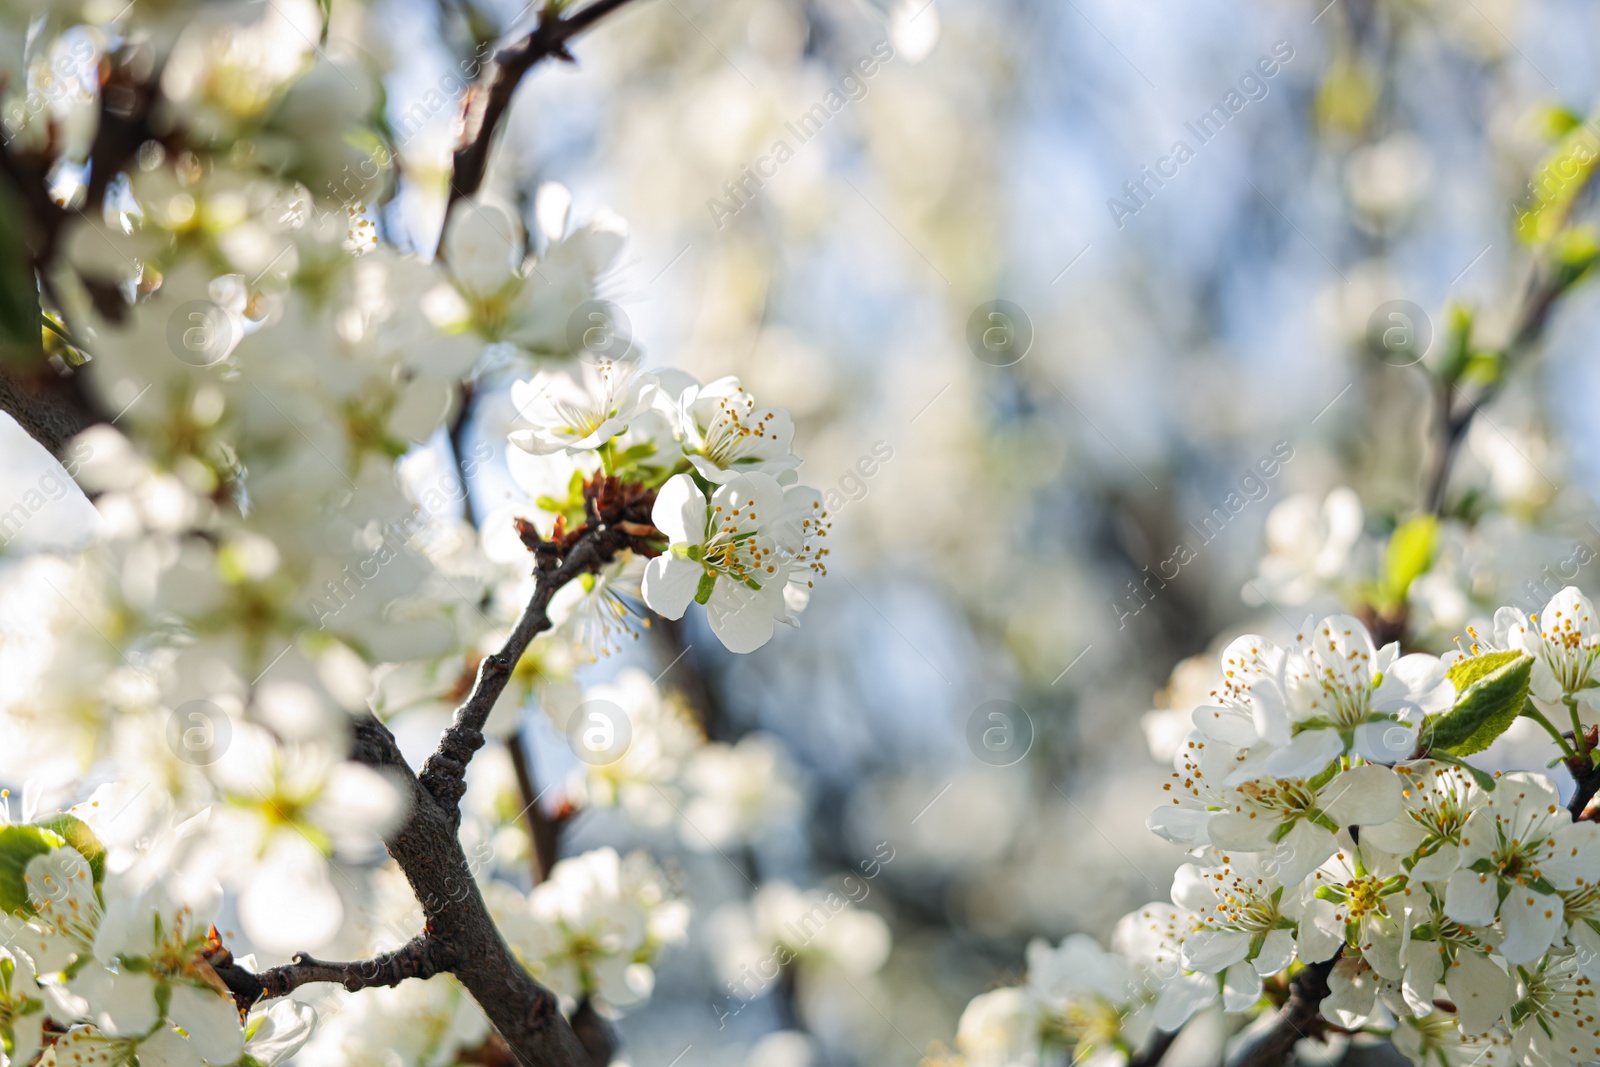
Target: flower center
(1284, 796)
(728, 437)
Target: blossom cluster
(277, 535)
(737, 532)
(116, 965)
(1334, 819)
(594, 926)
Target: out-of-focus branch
(1294, 1021)
(543, 830)
(1453, 419)
(490, 97)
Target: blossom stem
(1531, 712)
(1578, 736)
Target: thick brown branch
(490, 98)
(1295, 1020)
(429, 853)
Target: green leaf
(76, 833)
(1553, 120)
(1410, 554)
(708, 582)
(1458, 350)
(1490, 692)
(1555, 185)
(18, 845)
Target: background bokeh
(1175, 342)
(1007, 517)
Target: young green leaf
(1410, 554)
(1490, 692)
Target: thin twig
(421, 957)
(444, 775)
(490, 97)
(1453, 421)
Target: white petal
(1471, 898)
(482, 246)
(1386, 742)
(1361, 796)
(741, 617)
(1182, 997)
(680, 511)
(1306, 755)
(211, 1021)
(1424, 969)
(1246, 831)
(670, 584)
(1481, 991)
(1303, 849)
(1241, 987)
(1277, 952)
(1232, 726)
(1214, 950)
(1321, 933)
(1530, 920)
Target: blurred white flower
(594, 926)
(579, 415)
(1309, 547)
(739, 793)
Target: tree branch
(490, 97)
(1586, 776)
(1532, 318)
(1295, 1019)
(421, 957)
(544, 832)
(617, 517)
(1153, 1053)
(444, 775)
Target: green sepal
(708, 582)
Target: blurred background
(1177, 321)
(1066, 297)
